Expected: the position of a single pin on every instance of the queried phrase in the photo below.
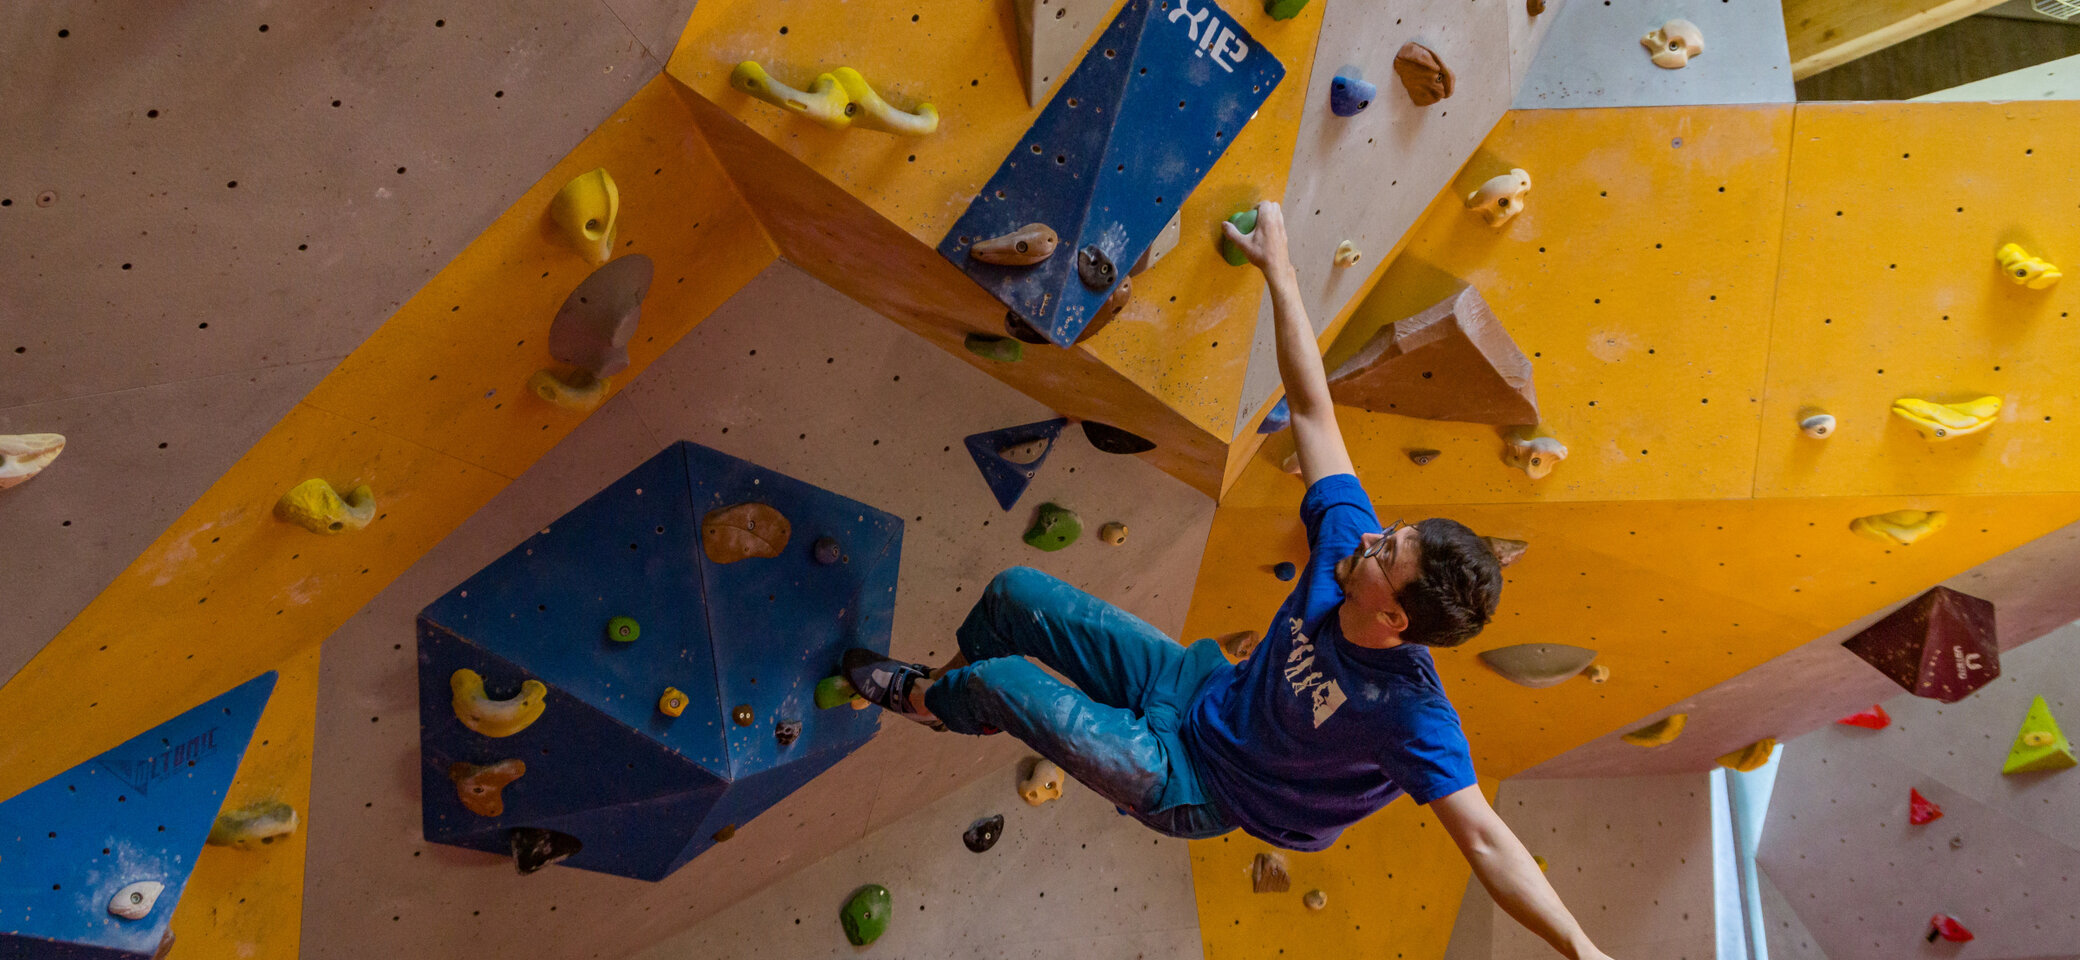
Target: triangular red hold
(1921, 809)
(1948, 928)
(1873, 719)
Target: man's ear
(1394, 616)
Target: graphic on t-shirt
(1307, 682)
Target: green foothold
(1054, 528)
(624, 629)
(866, 915)
(2039, 745)
(1284, 9)
(1246, 221)
(834, 692)
(1000, 349)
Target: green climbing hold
(1284, 9)
(866, 915)
(1246, 221)
(834, 692)
(1054, 527)
(624, 629)
(2039, 745)
(1000, 349)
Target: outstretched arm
(1315, 433)
(1509, 873)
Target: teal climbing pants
(1115, 729)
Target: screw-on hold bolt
(742, 715)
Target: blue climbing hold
(1011, 457)
(1285, 570)
(1349, 96)
(1279, 418)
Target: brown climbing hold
(1427, 78)
(728, 830)
(1534, 7)
(1453, 361)
(1422, 458)
(1507, 551)
(1240, 644)
(742, 531)
(1022, 247)
(1941, 645)
(1111, 308)
(482, 788)
(1267, 874)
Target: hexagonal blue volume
(644, 792)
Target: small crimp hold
(1114, 533)
(1673, 45)
(1751, 757)
(1948, 421)
(24, 455)
(1501, 197)
(1660, 732)
(1920, 809)
(1043, 783)
(1873, 719)
(824, 102)
(1536, 456)
(577, 391)
(496, 718)
(585, 210)
(1819, 426)
(1421, 458)
(482, 788)
(1900, 527)
(743, 715)
(1022, 247)
(1350, 95)
(1000, 349)
(982, 834)
(254, 825)
(1347, 254)
(786, 732)
(868, 110)
(672, 702)
(1315, 900)
(826, 551)
(2026, 270)
(135, 900)
(1095, 269)
(534, 848)
(315, 506)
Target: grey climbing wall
(1592, 56)
(1070, 878)
(2004, 858)
(205, 206)
(793, 376)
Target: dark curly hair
(1459, 588)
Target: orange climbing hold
(1921, 809)
(1873, 719)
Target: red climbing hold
(1948, 928)
(1873, 719)
(1921, 809)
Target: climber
(1336, 713)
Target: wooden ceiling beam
(1828, 33)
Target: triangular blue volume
(635, 592)
(1008, 478)
(1154, 103)
(120, 823)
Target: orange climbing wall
(1683, 285)
(248, 904)
(1184, 340)
(431, 411)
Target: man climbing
(1337, 712)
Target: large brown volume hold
(1453, 361)
(1427, 78)
(1941, 645)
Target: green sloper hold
(2050, 751)
(1000, 349)
(1246, 221)
(834, 691)
(1284, 9)
(1054, 528)
(866, 915)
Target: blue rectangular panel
(139, 812)
(1154, 103)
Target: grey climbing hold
(1538, 664)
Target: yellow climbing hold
(1946, 421)
(315, 506)
(1901, 527)
(1662, 731)
(585, 211)
(824, 101)
(579, 393)
(672, 703)
(2025, 270)
(1750, 757)
(868, 110)
(256, 824)
(495, 718)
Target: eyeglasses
(1385, 548)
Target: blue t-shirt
(1313, 733)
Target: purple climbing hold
(983, 833)
(1285, 570)
(827, 551)
(1279, 418)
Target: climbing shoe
(885, 683)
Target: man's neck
(1365, 630)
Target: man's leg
(1108, 653)
(1109, 749)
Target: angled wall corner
(1592, 56)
